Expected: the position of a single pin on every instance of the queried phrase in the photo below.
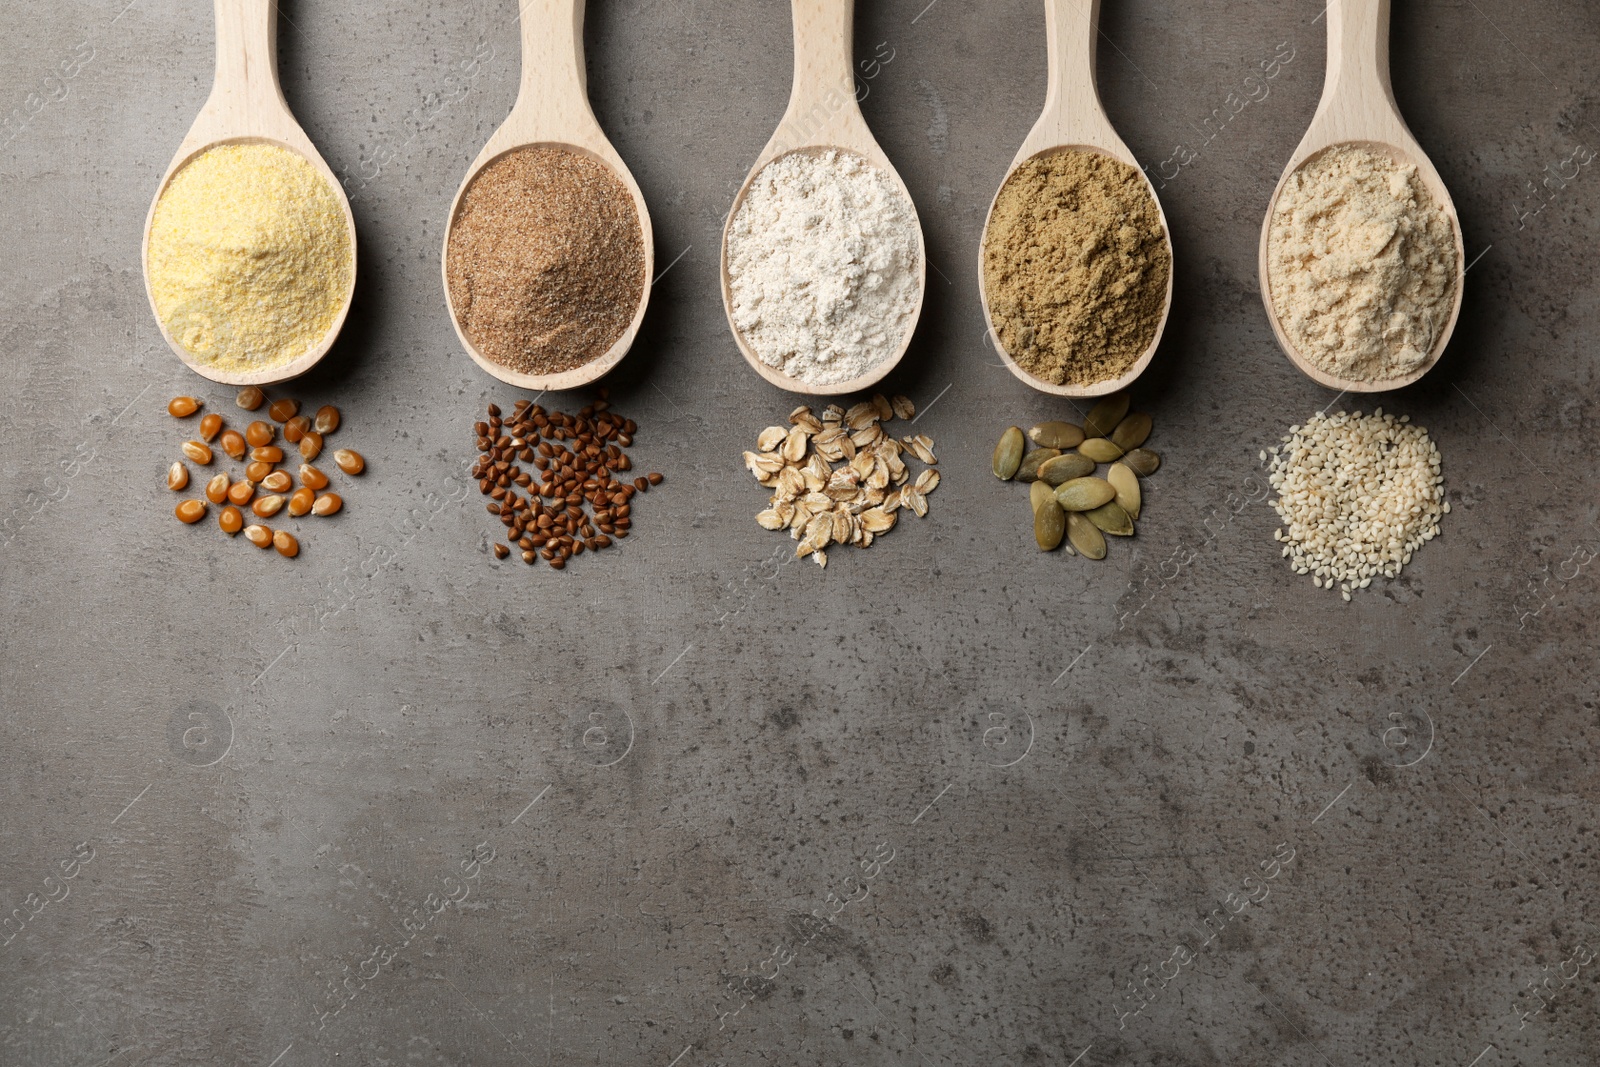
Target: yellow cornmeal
(249, 257)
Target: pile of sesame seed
(1357, 495)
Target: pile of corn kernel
(263, 487)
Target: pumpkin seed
(1112, 519)
(1039, 492)
(1049, 525)
(1085, 536)
(1074, 511)
(1143, 461)
(1132, 431)
(1056, 435)
(1123, 481)
(1008, 454)
(1100, 450)
(1085, 494)
(1105, 415)
(1029, 470)
(1063, 469)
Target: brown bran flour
(546, 260)
(1075, 267)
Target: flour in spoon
(824, 266)
(1361, 264)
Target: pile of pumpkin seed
(1069, 502)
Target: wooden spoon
(1074, 120)
(1358, 108)
(246, 106)
(823, 115)
(553, 109)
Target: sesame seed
(1357, 496)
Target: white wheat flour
(1361, 262)
(824, 266)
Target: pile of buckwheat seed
(576, 460)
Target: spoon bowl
(823, 115)
(247, 106)
(1358, 109)
(552, 110)
(1073, 120)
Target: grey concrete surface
(1014, 785)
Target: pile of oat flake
(841, 478)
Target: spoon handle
(1072, 113)
(553, 100)
(822, 105)
(1358, 48)
(1357, 98)
(247, 59)
(1071, 27)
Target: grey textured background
(277, 765)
